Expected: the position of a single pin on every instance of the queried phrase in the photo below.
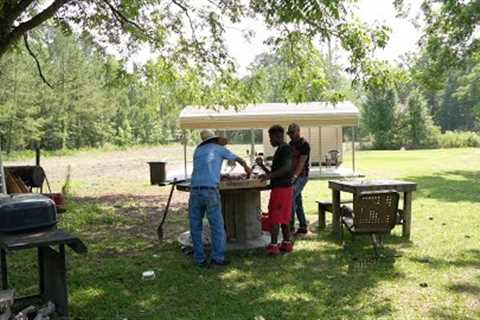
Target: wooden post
(407, 214)
(336, 223)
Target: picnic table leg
(3, 261)
(407, 214)
(336, 223)
(54, 278)
(321, 217)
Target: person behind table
(301, 159)
(280, 204)
(205, 196)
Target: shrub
(456, 139)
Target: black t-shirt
(283, 156)
(301, 148)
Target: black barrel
(158, 173)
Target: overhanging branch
(123, 19)
(185, 10)
(39, 67)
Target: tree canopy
(451, 36)
(191, 31)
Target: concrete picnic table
(358, 186)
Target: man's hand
(248, 170)
(259, 161)
(294, 178)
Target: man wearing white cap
(205, 196)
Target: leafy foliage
(450, 37)
(297, 71)
(192, 32)
(396, 114)
(457, 139)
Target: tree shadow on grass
(470, 258)
(469, 291)
(124, 223)
(394, 238)
(449, 186)
(307, 284)
(319, 280)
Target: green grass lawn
(321, 279)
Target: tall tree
(450, 36)
(378, 116)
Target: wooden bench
(326, 206)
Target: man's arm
(282, 171)
(300, 165)
(244, 164)
(228, 155)
(259, 162)
(286, 168)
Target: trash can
(158, 174)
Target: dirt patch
(137, 216)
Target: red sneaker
(273, 250)
(286, 246)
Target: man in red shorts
(280, 204)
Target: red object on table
(58, 198)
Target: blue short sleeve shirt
(207, 164)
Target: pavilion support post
(320, 149)
(252, 146)
(353, 149)
(185, 140)
(310, 140)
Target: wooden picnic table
(357, 186)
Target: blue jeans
(298, 186)
(201, 201)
